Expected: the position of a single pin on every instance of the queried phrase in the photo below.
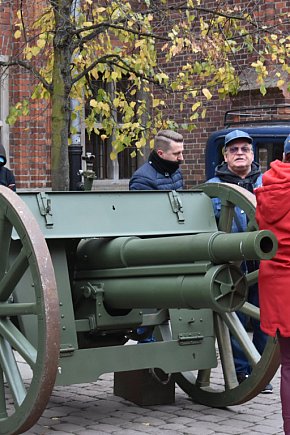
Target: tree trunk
(61, 79)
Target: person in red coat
(273, 213)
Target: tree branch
(28, 67)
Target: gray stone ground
(93, 409)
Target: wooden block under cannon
(145, 387)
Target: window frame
(113, 168)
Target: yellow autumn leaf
(280, 83)
(17, 34)
(114, 75)
(93, 103)
(116, 102)
(206, 93)
(40, 43)
(139, 43)
(35, 51)
(195, 106)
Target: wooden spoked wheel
(219, 387)
(29, 317)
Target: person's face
(239, 156)
(174, 152)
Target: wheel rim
(219, 387)
(24, 393)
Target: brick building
(28, 141)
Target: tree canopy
(113, 59)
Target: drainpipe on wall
(75, 149)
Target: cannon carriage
(81, 272)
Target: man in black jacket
(161, 172)
(6, 175)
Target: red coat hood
(273, 199)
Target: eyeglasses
(235, 150)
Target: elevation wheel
(29, 317)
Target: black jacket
(157, 174)
(6, 175)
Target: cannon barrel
(172, 272)
(217, 247)
(222, 288)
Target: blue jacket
(148, 178)
(253, 180)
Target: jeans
(259, 337)
(284, 343)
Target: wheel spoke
(237, 329)
(203, 378)
(226, 216)
(3, 412)
(5, 237)
(252, 277)
(11, 371)
(18, 341)
(226, 352)
(13, 276)
(18, 309)
(251, 310)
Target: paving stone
(92, 409)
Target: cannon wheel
(24, 393)
(205, 386)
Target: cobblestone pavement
(93, 409)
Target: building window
(123, 167)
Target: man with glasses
(240, 168)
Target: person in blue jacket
(6, 175)
(240, 168)
(161, 171)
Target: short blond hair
(164, 138)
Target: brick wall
(30, 137)
(195, 142)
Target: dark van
(267, 125)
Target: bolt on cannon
(81, 272)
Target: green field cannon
(81, 274)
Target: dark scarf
(226, 176)
(163, 166)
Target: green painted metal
(132, 252)
(222, 288)
(88, 364)
(115, 214)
